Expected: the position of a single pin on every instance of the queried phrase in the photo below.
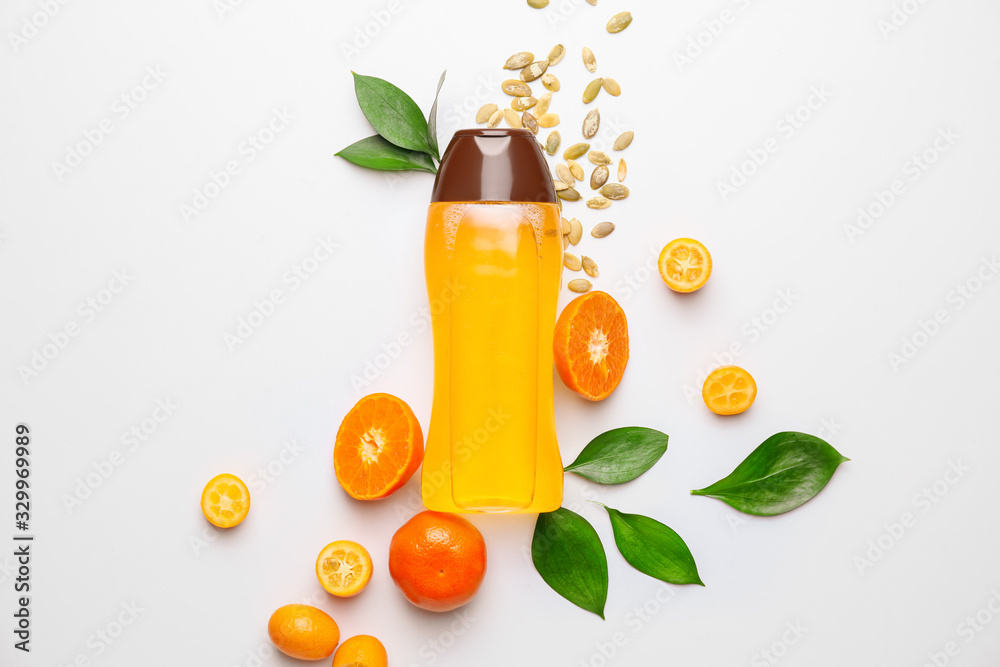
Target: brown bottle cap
(493, 165)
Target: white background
(822, 366)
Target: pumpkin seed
(622, 170)
(619, 22)
(542, 107)
(564, 174)
(550, 82)
(485, 112)
(522, 103)
(528, 121)
(591, 123)
(589, 60)
(559, 185)
(590, 266)
(516, 88)
(599, 157)
(538, 4)
(575, 169)
(519, 60)
(569, 194)
(534, 70)
(572, 262)
(556, 54)
(599, 177)
(598, 202)
(566, 227)
(548, 120)
(575, 231)
(495, 118)
(552, 142)
(623, 140)
(602, 229)
(590, 92)
(575, 151)
(512, 118)
(593, 2)
(615, 191)
(565, 238)
(580, 285)
(611, 87)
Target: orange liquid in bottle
(493, 272)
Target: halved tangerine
(729, 390)
(591, 345)
(685, 265)
(225, 501)
(379, 446)
(344, 568)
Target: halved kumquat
(379, 446)
(344, 568)
(729, 390)
(225, 501)
(591, 345)
(685, 265)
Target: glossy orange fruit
(379, 446)
(438, 560)
(303, 632)
(361, 651)
(591, 345)
(344, 568)
(729, 390)
(225, 501)
(685, 265)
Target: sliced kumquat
(225, 501)
(379, 446)
(591, 345)
(729, 390)
(685, 265)
(344, 568)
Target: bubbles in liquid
(452, 215)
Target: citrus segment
(378, 448)
(344, 568)
(438, 560)
(361, 651)
(225, 500)
(304, 632)
(685, 265)
(591, 345)
(729, 390)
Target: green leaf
(620, 455)
(787, 470)
(375, 152)
(393, 113)
(653, 548)
(569, 555)
(432, 119)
